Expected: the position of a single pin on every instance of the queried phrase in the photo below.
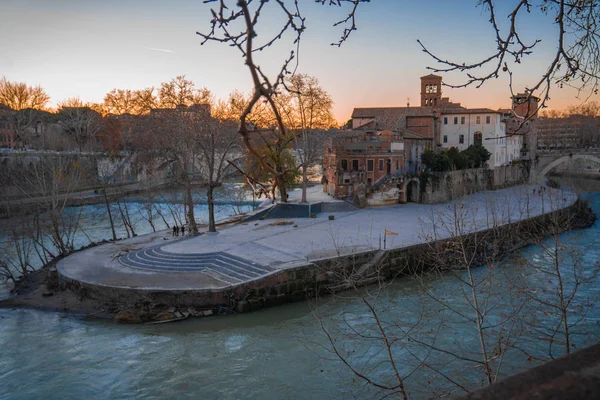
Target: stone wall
(508, 175)
(23, 174)
(440, 187)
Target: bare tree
(559, 312)
(307, 112)
(217, 140)
(235, 23)
(574, 63)
(49, 182)
(80, 121)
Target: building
(397, 136)
(573, 132)
(450, 124)
(464, 127)
(366, 157)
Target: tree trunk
(304, 183)
(282, 190)
(190, 208)
(211, 209)
(110, 218)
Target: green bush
(472, 157)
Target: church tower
(431, 90)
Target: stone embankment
(332, 274)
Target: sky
(85, 48)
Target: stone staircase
(233, 268)
(365, 274)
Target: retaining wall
(323, 276)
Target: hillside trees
(25, 101)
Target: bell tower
(431, 90)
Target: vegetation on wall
(472, 157)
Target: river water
(280, 352)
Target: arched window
(477, 139)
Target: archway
(412, 189)
(540, 175)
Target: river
(270, 354)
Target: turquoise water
(283, 352)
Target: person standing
(175, 230)
(182, 230)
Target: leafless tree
(575, 61)
(217, 140)
(235, 23)
(553, 282)
(49, 182)
(80, 121)
(307, 113)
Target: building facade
(353, 158)
(437, 123)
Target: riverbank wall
(329, 275)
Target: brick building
(366, 157)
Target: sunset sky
(86, 48)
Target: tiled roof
(431, 76)
(409, 134)
(368, 126)
(470, 111)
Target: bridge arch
(540, 175)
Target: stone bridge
(547, 161)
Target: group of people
(176, 230)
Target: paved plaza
(244, 252)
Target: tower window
(445, 120)
(462, 120)
(487, 119)
(455, 120)
(478, 119)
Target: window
(345, 165)
(487, 119)
(445, 138)
(445, 120)
(455, 120)
(370, 165)
(478, 119)
(355, 165)
(477, 139)
(461, 139)
(462, 120)
(381, 165)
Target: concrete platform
(248, 252)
